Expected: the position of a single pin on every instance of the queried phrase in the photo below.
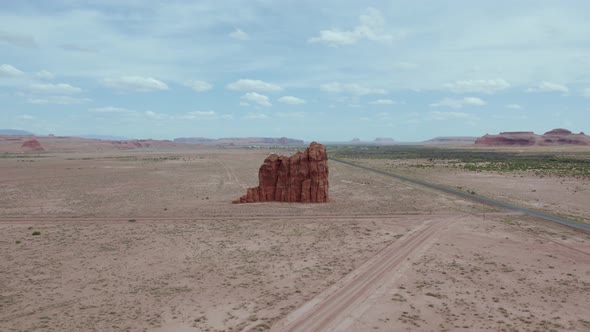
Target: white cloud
(297, 115)
(291, 100)
(514, 106)
(201, 115)
(239, 34)
(227, 116)
(60, 88)
(60, 100)
(200, 86)
(135, 83)
(45, 75)
(253, 85)
(352, 88)
(257, 116)
(257, 98)
(9, 71)
(382, 102)
(336, 37)
(243, 103)
(109, 109)
(25, 117)
(371, 27)
(155, 116)
(586, 92)
(459, 103)
(481, 86)
(549, 87)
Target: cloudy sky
(326, 70)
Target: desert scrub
(571, 164)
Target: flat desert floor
(149, 241)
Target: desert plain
(148, 240)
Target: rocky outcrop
(303, 177)
(32, 145)
(529, 138)
(515, 138)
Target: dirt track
(334, 308)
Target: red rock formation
(527, 138)
(32, 145)
(558, 131)
(517, 138)
(303, 177)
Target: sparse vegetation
(574, 164)
(35, 233)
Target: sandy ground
(564, 196)
(148, 241)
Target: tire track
(231, 174)
(331, 307)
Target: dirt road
(337, 307)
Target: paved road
(567, 222)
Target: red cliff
(528, 138)
(303, 177)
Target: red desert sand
(147, 240)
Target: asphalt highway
(564, 221)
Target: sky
(313, 70)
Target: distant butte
(303, 177)
(32, 145)
(528, 138)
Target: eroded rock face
(32, 145)
(303, 177)
(553, 137)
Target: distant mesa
(355, 140)
(32, 145)
(193, 140)
(15, 132)
(384, 140)
(303, 177)
(528, 138)
(559, 131)
(241, 141)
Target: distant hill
(384, 140)
(15, 132)
(104, 137)
(240, 140)
(193, 140)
